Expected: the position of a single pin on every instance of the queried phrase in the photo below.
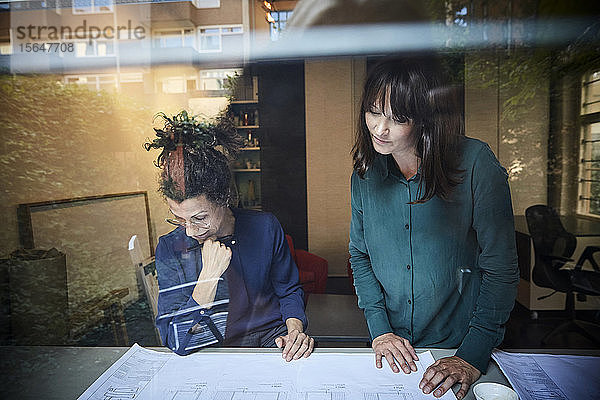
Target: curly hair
(417, 91)
(195, 156)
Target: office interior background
(82, 79)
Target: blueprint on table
(147, 374)
(548, 376)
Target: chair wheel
(534, 315)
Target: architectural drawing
(323, 395)
(250, 395)
(142, 374)
(188, 391)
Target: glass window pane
(188, 40)
(89, 49)
(274, 32)
(103, 5)
(212, 42)
(589, 187)
(6, 49)
(80, 49)
(207, 3)
(82, 5)
(171, 40)
(591, 93)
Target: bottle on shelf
(255, 122)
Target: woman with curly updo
(226, 275)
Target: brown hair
(417, 92)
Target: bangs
(390, 87)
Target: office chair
(145, 270)
(312, 269)
(553, 246)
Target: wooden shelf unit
(246, 169)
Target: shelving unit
(246, 169)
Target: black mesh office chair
(553, 247)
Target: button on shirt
(441, 273)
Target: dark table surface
(336, 317)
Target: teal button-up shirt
(442, 273)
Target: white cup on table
(493, 391)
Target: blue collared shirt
(442, 273)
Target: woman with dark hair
(225, 275)
(432, 234)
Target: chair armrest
(588, 255)
(554, 259)
(558, 262)
(585, 282)
(318, 265)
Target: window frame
(584, 175)
(196, 4)
(94, 44)
(93, 9)
(220, 34)
(96, 78)
(158, 34)
(221, 73)
(276, 26)
(184, 81)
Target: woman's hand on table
(395, 349)
(447, 371)
(296, 343)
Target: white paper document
(547, 376)
(146, 374)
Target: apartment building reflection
(180, 52)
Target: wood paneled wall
(332, 94)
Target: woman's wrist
(204, 292)
(294, 324)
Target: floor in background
(526, 330)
